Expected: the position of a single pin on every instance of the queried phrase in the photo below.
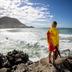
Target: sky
(38, 13)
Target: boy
(53, 41)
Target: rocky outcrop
(12, 59)
(18, 61)
(7, 22)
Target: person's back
(53, 41)
(54, 36)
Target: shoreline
(18, 61)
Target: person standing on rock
(53, 42)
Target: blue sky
(61, 11)
(38, 13)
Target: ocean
(33, 41)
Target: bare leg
(50, 57)
(55, 54)
(58, 52)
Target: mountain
(7, 22)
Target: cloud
(24, 10)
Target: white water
(31, 41)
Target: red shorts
(52, 48)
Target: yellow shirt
(54, 36)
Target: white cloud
(24, 10)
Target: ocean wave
(65, 35)
(30, 42)
(34, 50)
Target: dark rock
(14, 67)
(25, 57)
(6, 64)
(9, 54)
(29, 62)
(12, 59)
(16, 57)
(18, 61)
(1, 60)
(67, 65)
(14, 52)
(9, 69)
(64, 66)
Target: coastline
(18, 61)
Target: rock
(1, 60)
(16, 57)
(6, 64)
(29, 62)
(3, 70)
(14, 67)
(21, 68)
(9, 69)
(63, 66)
(67, 65)
(18, 61)
(12, 59)
(14, 52)
(25, 57)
